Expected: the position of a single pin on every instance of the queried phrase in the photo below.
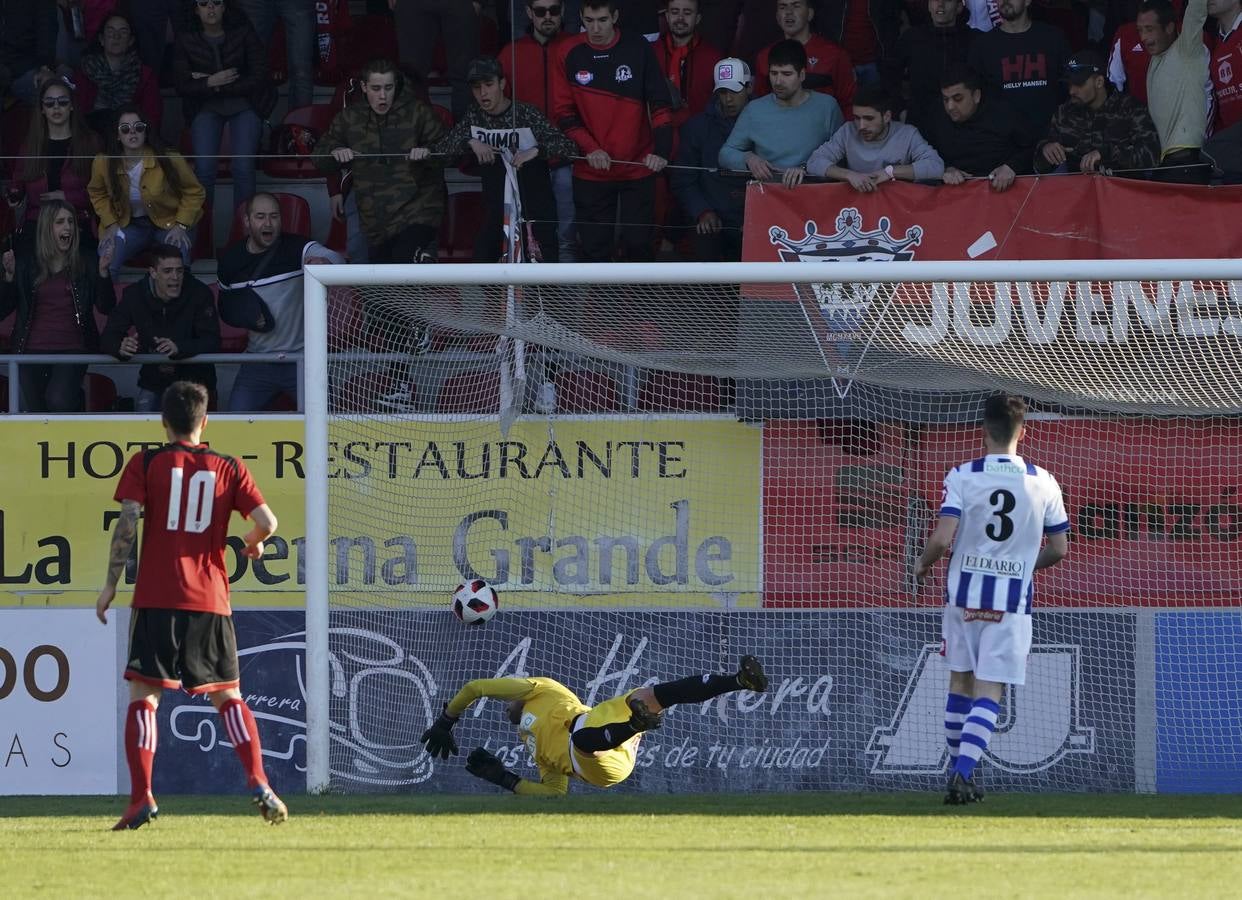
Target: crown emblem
(848, 243)
(844, 305)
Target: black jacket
(831, 15)
(995, 135)
(91, 291)
(924, 53)
(190, 322)
(699, 191)
(27, 37)
(242, 50)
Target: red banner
(1155, 508)
(1056, 217)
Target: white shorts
(992, 644)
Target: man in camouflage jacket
(1095, 129)
(496, 128)
(400, 200)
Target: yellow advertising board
(611, 511)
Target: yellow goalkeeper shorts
(608, 767)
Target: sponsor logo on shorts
(982, 615)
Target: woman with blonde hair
(143, 193)
(55, 162)
(55, 290)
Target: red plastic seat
(680, 392)
(463, 217)
(100, 391)
(586, 390)
(295, 216)
(445, 114)
(317, 119)
(470, 392)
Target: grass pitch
(626, 846)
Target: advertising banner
(1087, 217)
(628, 508)
(58, 707)
(856, 701)
(1153, 505)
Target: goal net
(660, 468)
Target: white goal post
(1133, 343)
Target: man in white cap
(714, 202)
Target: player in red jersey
(181, 634)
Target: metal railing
(13, 362)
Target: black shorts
(177, 648)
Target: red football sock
(140, 737)
(244, 734)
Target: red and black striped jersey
(188, 492)
(614, 99)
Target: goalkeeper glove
(438, 739)
(482, 764)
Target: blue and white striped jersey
(1006, 505)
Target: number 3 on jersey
(1004, 502)
(201, 499)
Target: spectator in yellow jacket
(143, 193)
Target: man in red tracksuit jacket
(687, 61)
(529, 64)
(612, 100)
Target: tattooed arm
(122, 543)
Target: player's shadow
(804, 804)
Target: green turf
(626, 846)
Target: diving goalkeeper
(566, 738)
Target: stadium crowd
(631, 128)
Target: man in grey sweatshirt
(874, 149)
(1176, 79)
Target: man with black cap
(714, 201)
(1095, 129)
(496, 129)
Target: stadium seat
(463, 217)
(445, 114)
(679, 392)
(315, 119)
(344, 320)
(586, 391)
(470, 392)
(282, 402)
(361, 393)
(100, 391)
(295, 216)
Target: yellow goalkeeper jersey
(548, 713)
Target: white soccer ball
(475, 602)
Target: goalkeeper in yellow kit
(566, 738)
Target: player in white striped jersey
(995, 513)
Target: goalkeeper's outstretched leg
(647, 704)
(602, 749)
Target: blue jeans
(355, 241)
(147, 401)
(258, 383)
(299, 19)
(137, 236)
(245, 130)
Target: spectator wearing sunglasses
(529, 66)
(111, 75)
(55, 162)
(143, 193)
(220, 70)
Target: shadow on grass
(1018, 806)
